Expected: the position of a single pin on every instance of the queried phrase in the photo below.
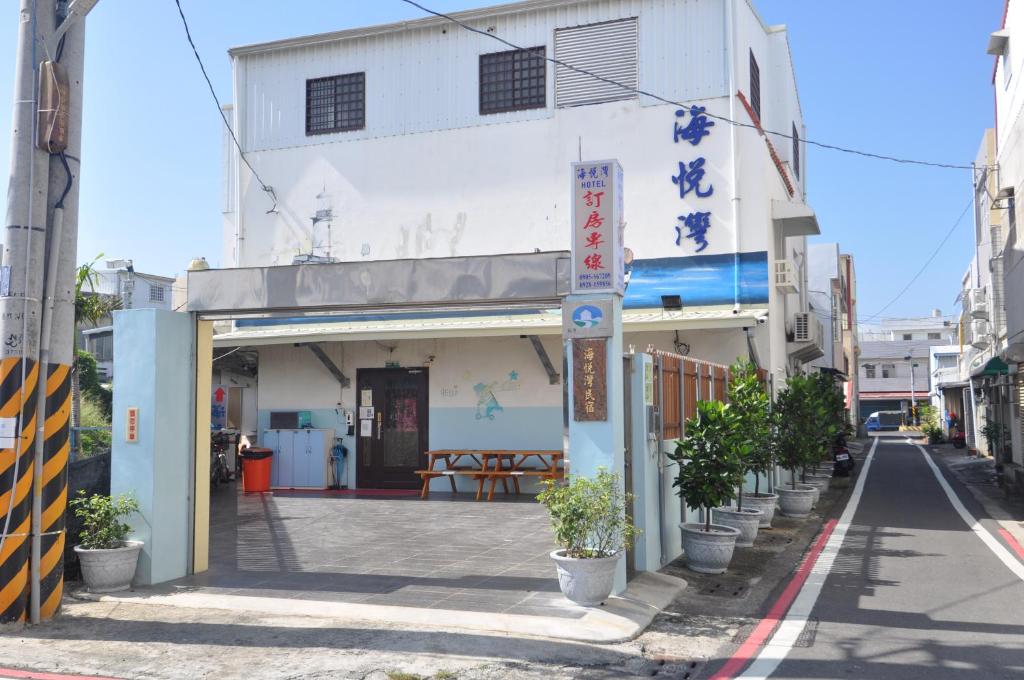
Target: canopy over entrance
(994, 366)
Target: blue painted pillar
(153, 351)
(600, 443)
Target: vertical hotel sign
(597, 224)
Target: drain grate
(808, 634)
(775, 539)
(725, 589)
(679, 669)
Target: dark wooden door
(393, 445)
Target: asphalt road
(913, 592)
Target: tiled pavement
(448, 552)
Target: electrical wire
(724, 119)
(924, 266)
(220, 109)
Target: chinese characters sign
(589, 379)
(691, 126)
(131, 426)
(597, 227)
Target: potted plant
(107, 559)
(593, 529)
(795, 431)
(710, 470)
(749, 399)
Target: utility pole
(37, 306)
(21, 292)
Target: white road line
(1012, 563)
(789, 630)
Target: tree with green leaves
(90, 307)
(710, 458)
(748, 399)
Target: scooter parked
(842, 461)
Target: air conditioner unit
(977, 303)
(801, 327)
(979, 333)
(785, 277)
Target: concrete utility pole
(21, 292)
(37, 307)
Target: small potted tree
(107, 559)
(593, 529)
(749, 399)
(795, 431)
(710, 470)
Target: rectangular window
(336, 104)
(888, 370)
(156, 293)
(796, 152)
(935, 336)
(908, 336)
(513, 81)
(609, 50)
(869, 370)
(755, 85)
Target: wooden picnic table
(490, 464)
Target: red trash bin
(256, 469)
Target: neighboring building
(832, 293)
(136, 291)
(886, 382)
(947, 387)
(935, 329)
(997, 185)
(422, 140)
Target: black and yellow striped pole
(53, 489)
(18, 382)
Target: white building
(421, 140)
(135, 290)
(832, 293)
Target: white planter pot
(765, 502)
(109, 571)
(817, 492)
(821, 482)
(708, 552)
(587, 582)
(796, 502)
(746, 521)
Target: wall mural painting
(487, 405)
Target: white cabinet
(302, 458)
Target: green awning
(994, 366)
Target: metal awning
(796, 219)
(994, 366)
(484, 323)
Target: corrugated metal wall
(427, 79)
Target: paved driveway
(448, 552)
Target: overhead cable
(724, 119)
(220, 109)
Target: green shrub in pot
(107, 558)
(588, 515)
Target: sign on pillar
(592, 318)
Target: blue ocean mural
(699, 280)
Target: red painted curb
(764, 629)
(36, 675)
(1012, 542)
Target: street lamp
(913, 397)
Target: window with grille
(156, 293)
(336, 104)
(935, 336)
(796, 152)
(869, 370)
(888, 370)
(513, 81)
(755, 85)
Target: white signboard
(589, 319)
(8, 433)
(597, 224)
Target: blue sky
(908, 78)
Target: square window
(156, 293)
(336, 104)
(514, 80)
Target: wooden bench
(488, 470)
